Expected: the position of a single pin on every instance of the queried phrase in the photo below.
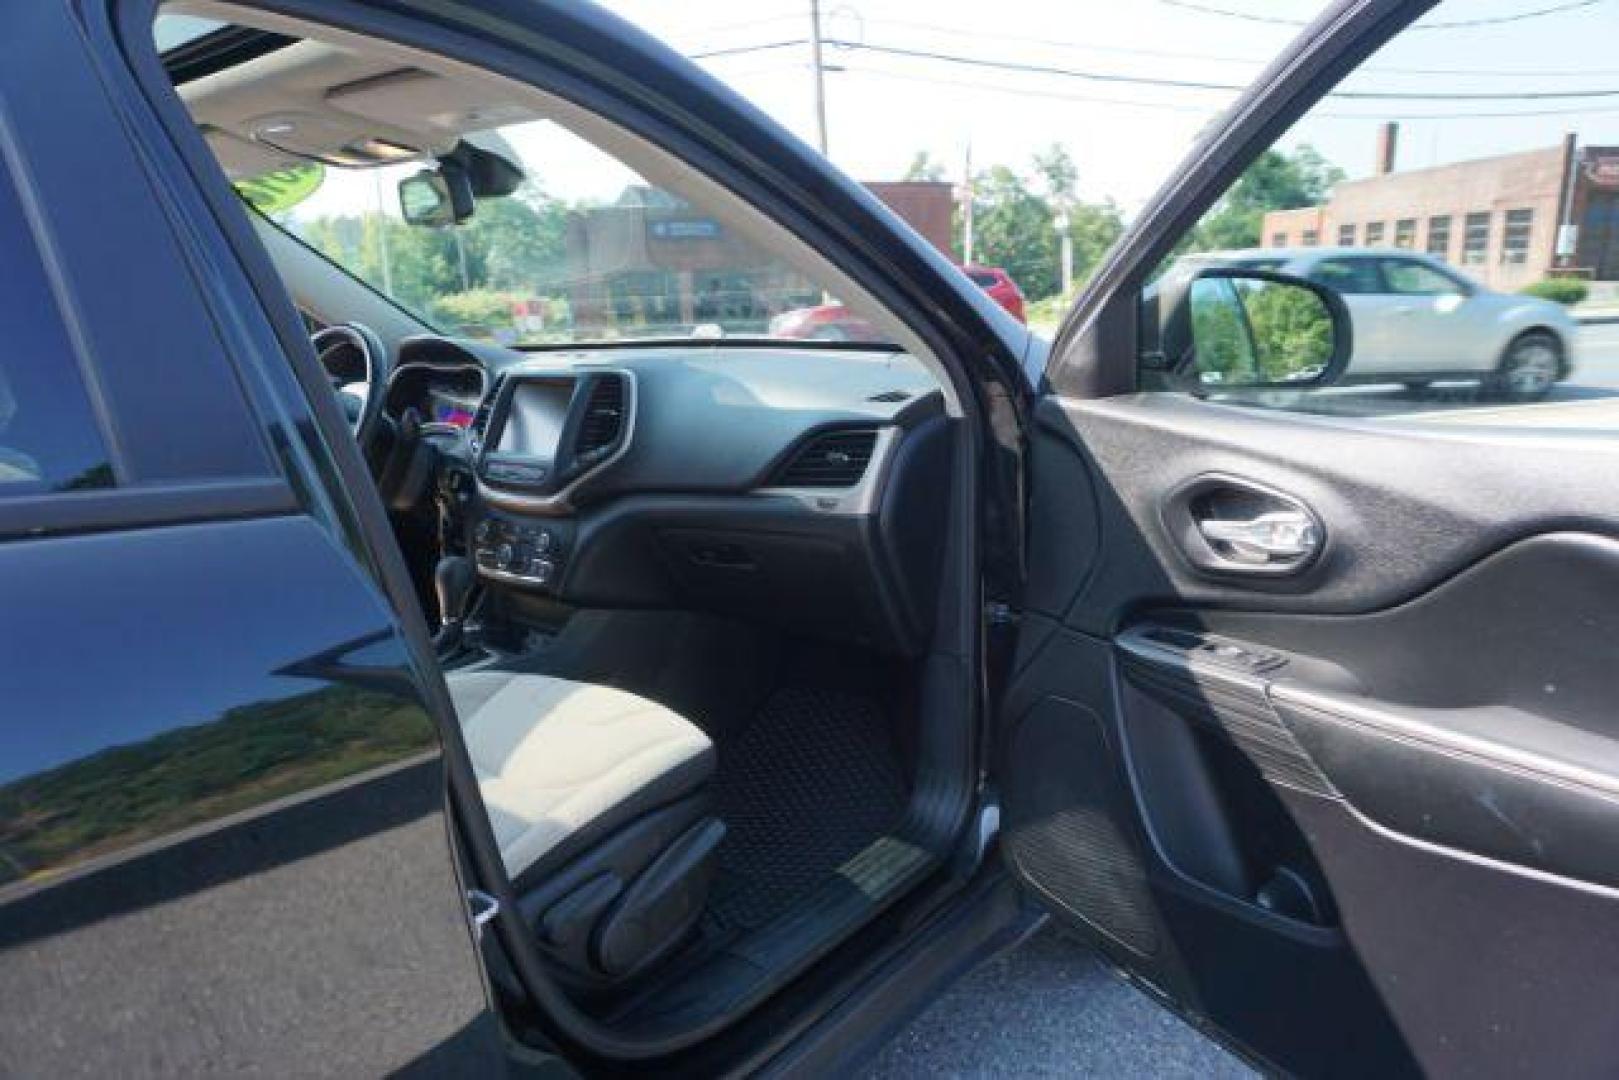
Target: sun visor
(414, 100)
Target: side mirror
(436, 198)
(1240, 328)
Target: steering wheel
(356, 361)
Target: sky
(1125, 136)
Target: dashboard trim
(856, 501)
(559, 502)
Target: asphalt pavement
(1050, 1008)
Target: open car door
(1349, 794)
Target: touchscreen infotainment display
(533, 427)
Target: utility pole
(967, 206)
(820, 75)
(382, 235)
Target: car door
(223, 834)
(1440, 325)
(1352, 805)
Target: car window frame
(1457, 287)
(42, 154)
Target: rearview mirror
(424, 199)
(1228, 327)
(436, 198)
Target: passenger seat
(599, 803)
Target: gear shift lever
(453, 578)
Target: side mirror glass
(1230, 328)
(424, 199)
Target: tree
(1015, 222)
(923, 167)
(1058, 173)
(1275, 181)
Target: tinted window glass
(49, 439)
(1349, 275)
(1416, 279)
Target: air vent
(889, 397)
(837, 459)
(604, 415)
(480, 419)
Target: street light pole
(820, 74)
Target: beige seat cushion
(562, 764)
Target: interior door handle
(1280, 536)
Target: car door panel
(252, 821)
(1380, 789)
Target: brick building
(1496, 218)
(653, 261)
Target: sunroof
(173, 31)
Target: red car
(834, 322)
(1000, 286)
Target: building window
(1439, 236)
(1278, 239)
(1311, 238)
(1374, 233)
(1405, 233)
(1475, 238)
(1515, 236)
(1346, 236)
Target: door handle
(1280, 536)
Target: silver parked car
(1416, 320)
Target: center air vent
(837, 459)
(480, 419)
(604, 415)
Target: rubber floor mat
(804, 787)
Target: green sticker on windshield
(283, 189)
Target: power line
(1170, 106)
(1196, 84)
(1456, 24)
(740, 50)
(1253, 61)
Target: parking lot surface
(1050, 1008)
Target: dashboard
(796, 485)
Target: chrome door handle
(1279, 536)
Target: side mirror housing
(1224, 328)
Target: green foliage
(1015, 223)
(1292, 330)
(1275, 181)
(476, 311)
(1257, 332)
(1559, 290)
(249, 757)
(513, 245)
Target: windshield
(583, 250)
